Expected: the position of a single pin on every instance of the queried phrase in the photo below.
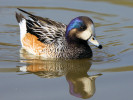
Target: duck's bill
(94, 42)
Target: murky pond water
(107, 76)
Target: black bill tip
(100, 46)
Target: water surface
(108, 75)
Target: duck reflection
(80, 83)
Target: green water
(107, 76)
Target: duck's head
(82, 28)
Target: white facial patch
(92, 29)
(85, 35)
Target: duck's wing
(46, 30)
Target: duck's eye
(82, 28)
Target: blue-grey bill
(95, 42)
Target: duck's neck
(76, 41)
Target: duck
(47, 38)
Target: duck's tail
(22, 24)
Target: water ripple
(63, 8)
